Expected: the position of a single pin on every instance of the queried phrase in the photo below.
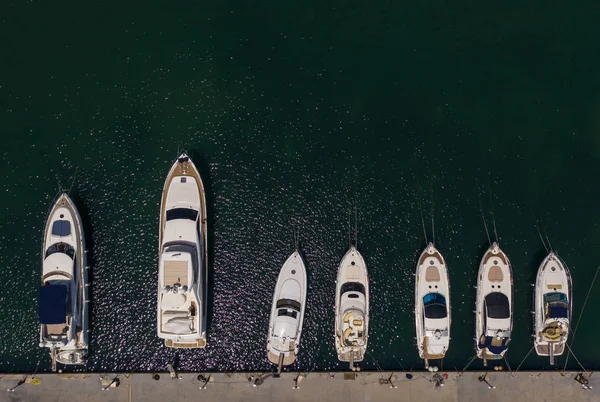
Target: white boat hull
(287, 312)
(183, 272)
(352, 308)
(64, 265)
(432, 305)
(493, 308)
(553, 307)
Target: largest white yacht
(352, 308)
(182, 258)
(63, 301)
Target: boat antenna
(579, 319)
(73, 180)
(487, 232)
(547, 238)
(421, 212)
(355, 226)
(349, 230)
(423, 223)
(538, 230)
(492, 211)
(296, 234)
(432, 214)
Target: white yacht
(287, 312)
(432, 305)
(182, 258)
(553, 305)
(493, 307)
(63, 302)
(352, 308)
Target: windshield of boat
(61, 248)
(352, 287)
(182, 213)
(434, 305)
(287, 312)
(497, 305)
(556, 304)
(288, 303)
(61, 228)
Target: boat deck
(429, 355)
(544, 350)
(199, 343)
(175, 272)
(287, 360)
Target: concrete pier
(339, 386)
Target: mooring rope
(526, 356)
(578, 362)
(468, 364)
(579, 319)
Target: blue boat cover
(487, 343)
(430, 298)
(558, 310)
(61, 228)
(53, 304)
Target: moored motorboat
(432, 305)
(493, 306)
(63, 301)
(287, 312)
(352, 308)
(553, 306)
(182, 271)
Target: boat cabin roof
(61, 228)
(288, 303)
(434, 305)
(53, 304)
(352, 287)
(177, 230)
(494, 344)
(497, 305)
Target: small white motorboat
(287, 312)
(432, 305)
(63, 301)
(493, 306)
(352, 308)
(553, 306)
(182, 256)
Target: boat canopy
(556, 305)
(53, 304)
(288, 303)
(61, 228)
(182, 213)
(352, 287)
(435, 305)
(61, 248)
(497, 305)
(494, 344)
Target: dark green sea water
(295, 112)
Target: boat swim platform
(549, 386)
(287, 360)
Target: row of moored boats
(183, 279)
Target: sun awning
(53, 304)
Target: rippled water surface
(295, 113)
